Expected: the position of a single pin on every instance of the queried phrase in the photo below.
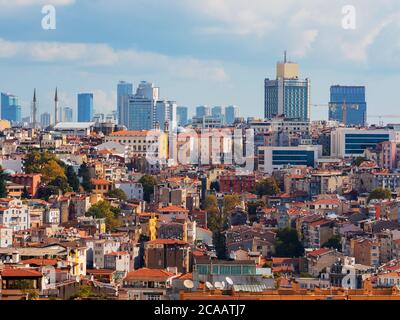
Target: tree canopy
(85, 175)
(103, 209)
(334, 243)
(148, 182)
(44, 163)
(117, 193)
(267, 187)
(380, 193)
(288, 244)
(3, 183)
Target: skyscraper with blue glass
(182, 116)
(124, 90)
(287, 95)
(10, 109)
(85, 107)
(348, 105)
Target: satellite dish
(188, 284)
(229, 281)
(218, 285)
(209, 285)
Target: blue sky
(214, 52)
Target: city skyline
(176, 60)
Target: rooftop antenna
(285, 57)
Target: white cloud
(95, 55)
(26, 3)
(300, 25)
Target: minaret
(34, 109)
(56, 111)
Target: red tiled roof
(100, 182)
(318, 252)
(40, 262)
(117, 253)
(20, 273)
(130, 133)
(166, 241)
(151, 274)
(173, 209)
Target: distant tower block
(56, 111)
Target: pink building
(387, 155)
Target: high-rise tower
(287, 95)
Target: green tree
(52, 170)
(218, 223)
(117, 193)
(103, 209)
(61, 183)
(230, 202)
(3, 183)
(72, 178)
(25, 193)
(267, 187)
(357, 161)
(44, 163)
(45, 192)
(334, 242)
(84, 292)
(85, 175)
(288, 244)
(148, 182)
(253, 206)
(380, 193)
(26, 287)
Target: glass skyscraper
(348, 105)
(10, 109)
(231, 113)
(203, 111)
(45, 119)
(85, 107)
(182, 116)
(166, 111)
(141, 107)
(67, 115)
(124, 90)
(288, 95)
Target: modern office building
(348, 105)
(287, 95)
(182, 116)
(141, 107)
(67, 115)
(217, 111)
(124, 90)
(352, 142)
(45, 119)
(273, 158)
(165, 112)
(203, 111)
(10, 109)
(99, 117)
(231, 113)
(85, 107)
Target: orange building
(31, 181)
